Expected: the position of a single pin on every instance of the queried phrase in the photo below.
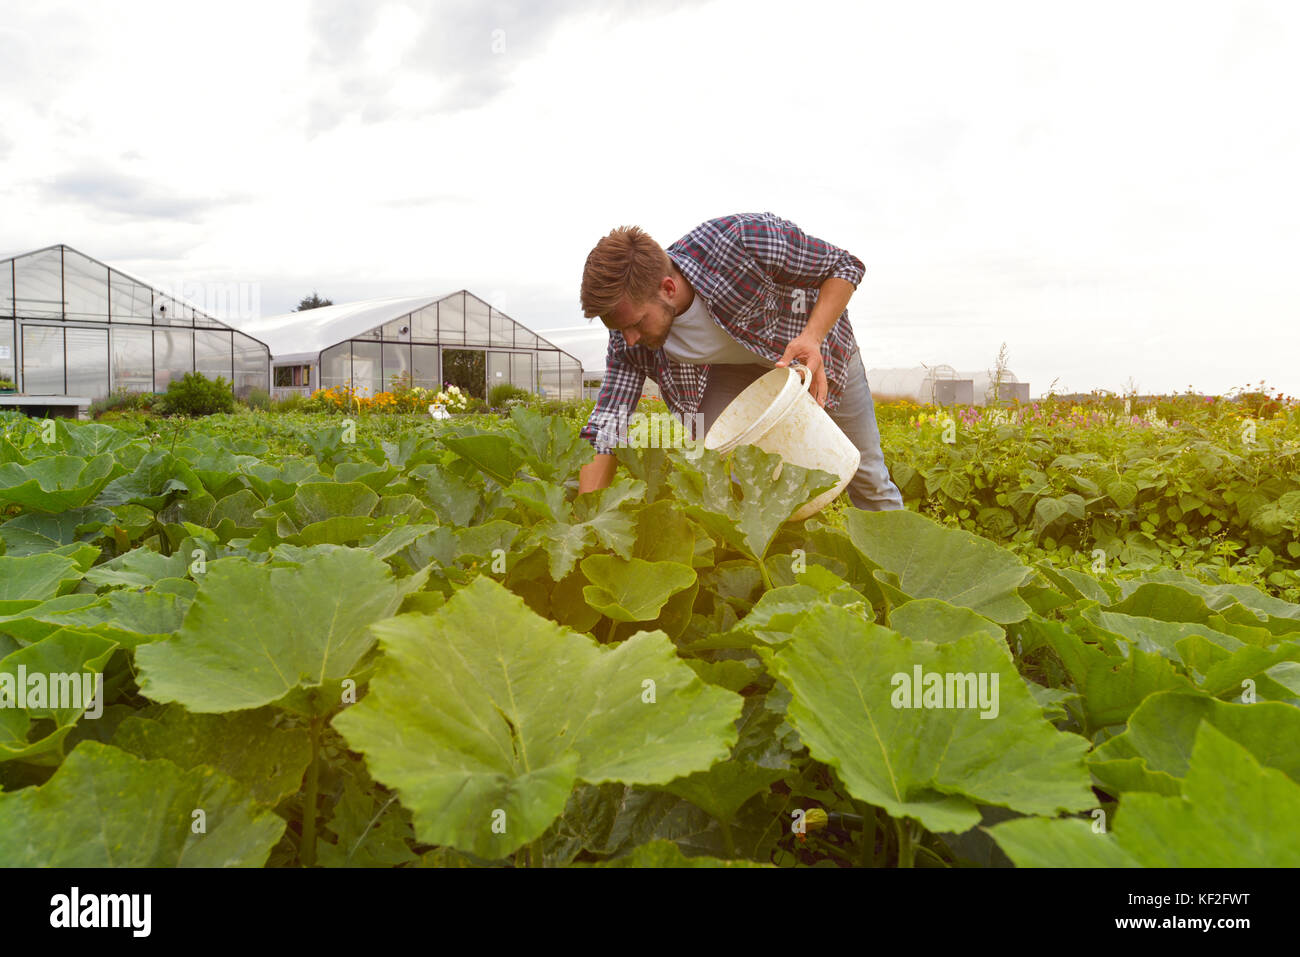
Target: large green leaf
(158, 479)
(1110, 686)
(267, 760)
(1161, 733)
(37, 576)
(1232, 813)
(492, 453)
(367, 833)
(749, 511)
(548, 445)
(107, 808)
(936, 562)
(37, 532)
(933, 620)
(289, 633)
(933, 764)
(779, 611)
(129, 618)
(464, 720)
(64, 665)
(632, 589)
(55, 483)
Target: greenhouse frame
(426, 340)
(73, 326)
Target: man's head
(633, 286)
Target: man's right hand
(597, 473)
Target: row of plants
(1215, 493)
(422, 648)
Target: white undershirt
(696, 339)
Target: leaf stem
(728, 842)
(613, 628)
(307, 851)
(767, 579)
(906, 852)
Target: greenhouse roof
(314, 330)
(299, 335)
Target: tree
(313, 302)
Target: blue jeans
(871, 488)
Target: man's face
(645, 323)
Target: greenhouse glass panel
(399, 330)
(42, 360)
(477, 321)
(548, 368)
(424, 324)
(168, 312)
(424, 365)
(132, 359)
(38, 286)
(503, 330)
(173, 356)
(397, 362)
(498, 369)
(87, 351)
(451, 320)
(336, 366)
(7, 351)
(524, 339)
(7, 289)
(570, 378)
(212, 354)
(85, 288)
(131, 302)
(367, 372)
(252, 365)
(521, 372)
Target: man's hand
(597, 473)
(807, 349)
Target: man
(731, 299)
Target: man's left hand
(807, 349)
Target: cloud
(425, 57)
(108, 191)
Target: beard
(657, 342)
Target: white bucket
(777, 414)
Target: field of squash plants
(391, 642)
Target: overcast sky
(1109, 188)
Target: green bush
(503, 393)
(293, 402)
(7, 384)
(196, 394)
(122, 400)
(258, 399)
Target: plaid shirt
(759, 276)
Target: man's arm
(807, 347)
(790, 256)
(619, 393)
(597, 473)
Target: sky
(1110, 189)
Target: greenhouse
(424, 341)
(943, 385)
(73, 326)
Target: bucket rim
(777, 408)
